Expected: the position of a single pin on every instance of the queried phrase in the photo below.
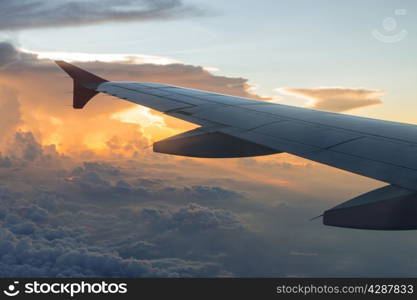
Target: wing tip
(85, 83)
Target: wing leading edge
(238, 127)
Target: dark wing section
(235, 127)
(386, 208)
(85, 83)
(210, 143)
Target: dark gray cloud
(27, 14)
(8, 54)
(48, 230)
(5, 162)
(10, 111)
(26, 147)
(194, 218)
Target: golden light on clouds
(139, 115)
(337, 99)
(152, 126)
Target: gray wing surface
(235, 127)
(377, 149)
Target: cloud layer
(26, 14)
(337, 99)
(60, 217)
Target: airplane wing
(238, 127)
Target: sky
(274, 44)
(83, 194)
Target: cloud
(27, 14)
(114, 127)
(195, 218)
(8, 54)
(47, 230)
(337, 99)
(26, 147)
(10, 112)
(127, 221)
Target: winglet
(85, 83)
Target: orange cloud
(337, 99)
(107, 126)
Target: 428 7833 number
(390, 289)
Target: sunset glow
(103, 57)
